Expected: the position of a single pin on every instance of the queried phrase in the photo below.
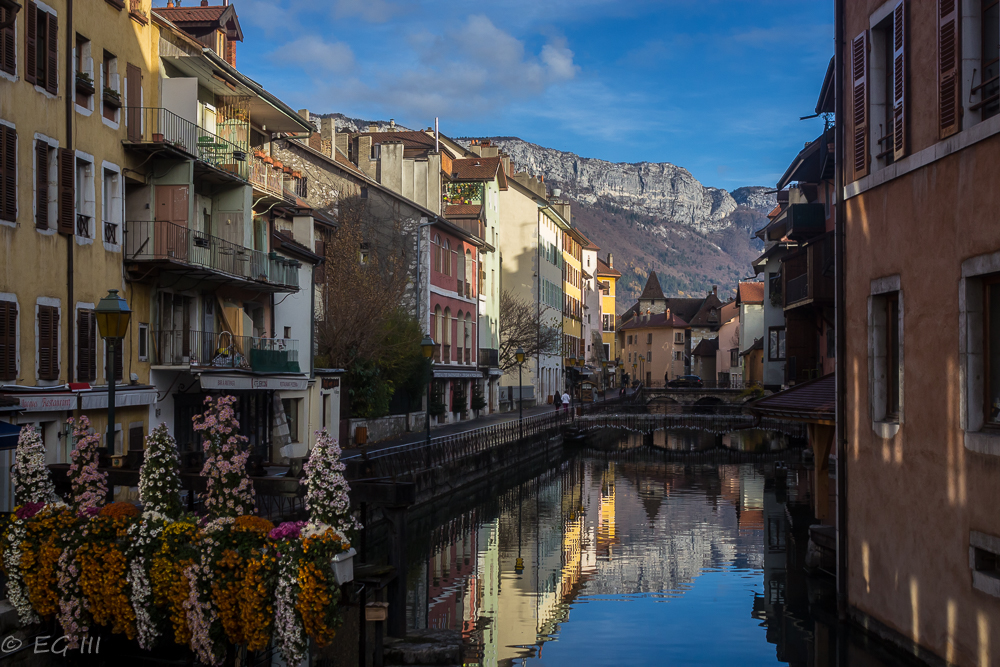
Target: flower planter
(278, 165)
(343, 566)
(157, 138)
(268, 160)
(112, 100)
(84, 85)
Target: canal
(623, 555)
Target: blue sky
(716, 86)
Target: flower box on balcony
(268, 159)
(84, 84)
(112, 98)
(287, 170)
(230, 167)
(157, 138)
(296, 174)
(278, 165)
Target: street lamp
(113, 315)
(427, 345)
(519, 355)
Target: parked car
(686, 381)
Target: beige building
(654, 347)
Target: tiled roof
(589, 245)
(652, 290)
(704, 316)
(814, 400)
(706, 348)
(462, 210)
(475, 168)
(605, 270)
(656, 321)
(757, 345)
(686, 307)
(729, 311)
(410, 138)
(750, 292)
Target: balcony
(808, 275)
(489, 358)
(154, 129)
(270, 178)
(202, 349)
(805, 221)
(204, 256)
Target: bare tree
(524, 325)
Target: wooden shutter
(899, 80)
(41, 184)
(52, 56)
(48, 343)
(67, 190)
(133, 112)
(86, 346)
(8, 340)
(8, 48)
(859, 103)
(8, 173)
(31, 43)
(949, 102)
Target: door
(133, 95)
(171, 222)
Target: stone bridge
(693, 396)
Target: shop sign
(48, 403)
(236, 383)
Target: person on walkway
(557, 401)
(565, 400)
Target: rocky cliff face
(658, 189)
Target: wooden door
(171, 207)
(133, 93)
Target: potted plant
(157, 137)
(84, 83)
(112, 97)
(268, 159)
(278, 165)
(296, 174)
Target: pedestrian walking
(565, 400)
(557, 401)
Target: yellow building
(63, 93)
(574, 347)
(607, 281)
(654, 347)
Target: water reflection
(625, 558)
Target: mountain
(654, 216)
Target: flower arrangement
(230, 492)
(227, 578)
(90, 486)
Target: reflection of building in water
(684, 440)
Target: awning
(8, 435)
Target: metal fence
(159, 240)
(182, 347)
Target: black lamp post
(519, 355)
(427, 345)
(113, 315)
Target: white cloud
(314, 54)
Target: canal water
(624, 555)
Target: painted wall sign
(48, 403)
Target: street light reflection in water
(625, 558)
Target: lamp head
(427, 345)
(519, 355)
(113, 315)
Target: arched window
(436, 253)
(469, 337)
(436, 325)
(446, 327)
(460, 274)
(446, 258)
(470, 272)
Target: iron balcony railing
(206, 349)
(111, 232)
(159, 240)
(155, 125)
(489, 357)
(83, 225)
(797, 289)
(267, 178)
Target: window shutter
(48, 343)
(8, 47)
(86, 366)
(41, 184)
(67, 190)
(8, 173)
(899, 80)
(859, 103)
(31, 43)
(8, 340)
(949, 104)
(52, 59)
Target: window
(86, 346)
(8, 44)
(776, 344)
(85, 88)
(991, 350)
(111, 97)
(48, 343)
(8, 341)
(607, 351)
(143, 342)
(111, 206)
(291, 408)
(885, 346)
(984, 559)
(649, 339)
(677, 355)
(882, 91)
(446, 258)
(364, 193)
(84, 213)
(42, 171)
(649, 356)
(436, 252)
(831, 343)
(678, 337)
(8, 173)
(734, 357)
(41, 48)
(989, 87)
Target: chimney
(715, 290)
(392, 124)
(328, 135)
(170, 4)
(611, 261)
(373, 127)
(204, 3)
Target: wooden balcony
(807, 275)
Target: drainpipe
(70, 117)
(840, 316)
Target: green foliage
(397, 364)
(370, 390)
(459, 398)
(752, 393)
(478, 399)
(437, 407)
